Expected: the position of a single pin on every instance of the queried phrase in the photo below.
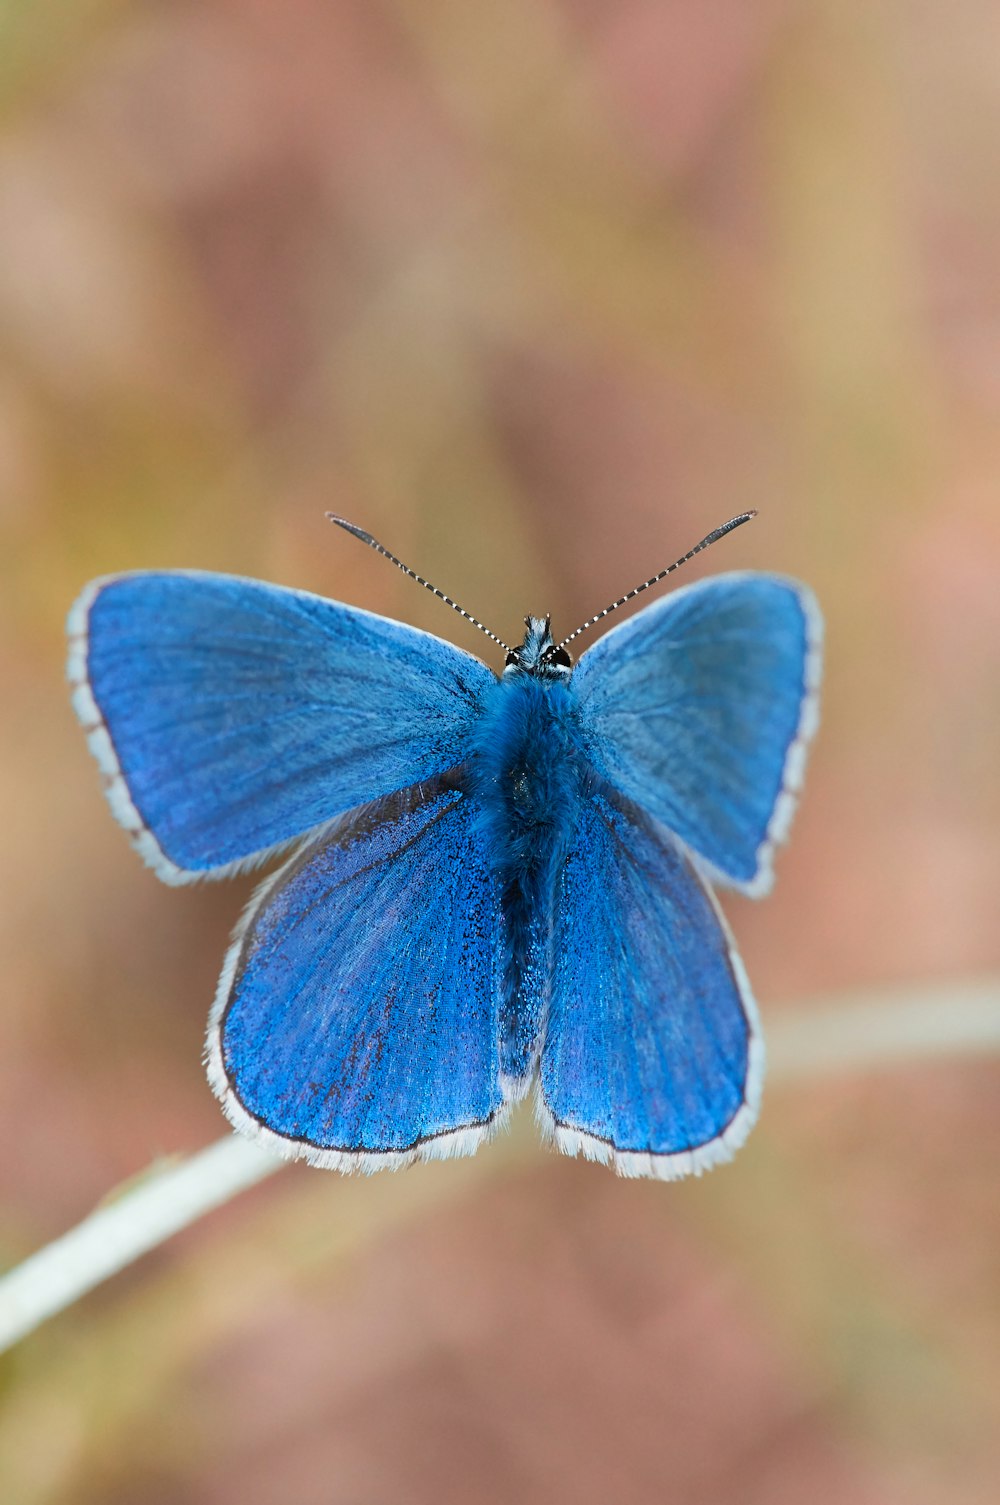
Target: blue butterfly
(495, 883)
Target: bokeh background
(539, 292)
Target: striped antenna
(373, 543)
(710, 538)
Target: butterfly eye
(513, 657)
(559, 656)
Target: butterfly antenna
(710, 538)
(373, 543)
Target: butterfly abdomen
(525, 772)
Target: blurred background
(538, 292)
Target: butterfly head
(538, 654)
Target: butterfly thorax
(525, 770)
(525, 753)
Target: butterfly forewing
(700, 709)
(230, 716)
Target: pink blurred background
(539, 292)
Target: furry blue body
(525, 770)
(497, 881)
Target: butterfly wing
(230, 716)
(652, 1057)
(356, 1019)
(700, 709)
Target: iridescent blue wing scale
(230, 716)
(652, 1057)
(356, 1019)
(700, 709)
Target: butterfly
(494, 883)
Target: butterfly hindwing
(700, 709)
(652, 1058)
(356, 1020)
(230, 716)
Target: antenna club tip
(349, 527)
